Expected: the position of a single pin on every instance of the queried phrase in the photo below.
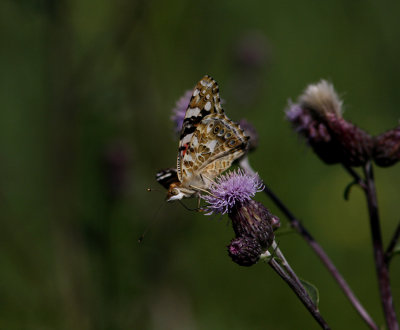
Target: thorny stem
(381, 266)
(392, 245)
(296, 224)
(300, 292)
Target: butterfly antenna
(151, 190)
(154, 219)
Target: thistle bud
(318, 118)
(387, 148)
(245, 251)
(252, 219)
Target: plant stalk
(381, 266)
(300, 292)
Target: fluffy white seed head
(322, 98)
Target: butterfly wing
(204, 101)
(215, 144)
(166, 177)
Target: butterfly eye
(174, 192)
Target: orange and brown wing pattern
(204, 101)
(215, 144)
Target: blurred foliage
(86, 91)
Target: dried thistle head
(321, 98)
(317, 116)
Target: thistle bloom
(252, 223)
(230, 189)
(317, 116)
(180, 110)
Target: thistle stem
(381, 266)
(319, 251)
(300, 292)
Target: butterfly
(209, 142)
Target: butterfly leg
(203, 176)
(200, 190)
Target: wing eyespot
(231, 143)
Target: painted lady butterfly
(209, 143)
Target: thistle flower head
(180, 110)
(253, 219)
(230, 189)
(318, 118)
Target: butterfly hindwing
(166, 177)
(215, 144)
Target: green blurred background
(86, 92)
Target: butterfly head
(177, 192)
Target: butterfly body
(209, 143)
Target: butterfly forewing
(204, 101)
(166, 177)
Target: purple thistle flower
(230, 189)
(180, 110)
